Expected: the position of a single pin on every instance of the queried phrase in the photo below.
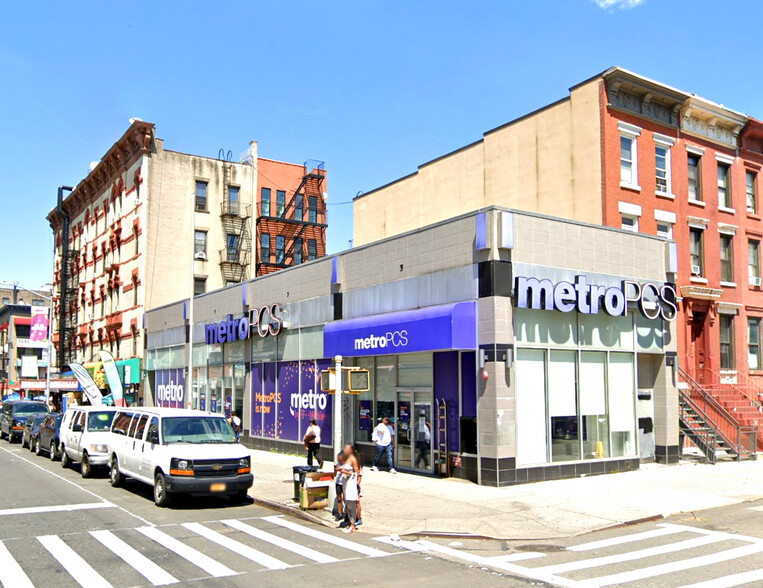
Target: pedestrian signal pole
(338, 399)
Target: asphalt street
(59, 529)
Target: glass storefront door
(413, 430)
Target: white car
(178, 451)
(85, 436)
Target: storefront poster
(213, 402)
(270, 401)
(256, 399)
(170, 388)
(227, 407)
(365, 415)
(315, 404)
(289, 395)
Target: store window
(386, 381)
(727, 341)
(753, 343)
(415, 370)
(562, 406)
(622, 416)
(593, 404)
(724, 187)
(727, 258)
(696, 247)
(695, 178)
(752, 195)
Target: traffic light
(354, 381)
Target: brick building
(628, 152)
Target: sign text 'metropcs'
(265, 321)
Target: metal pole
(189, 379)
(64, 271)
(337, 434)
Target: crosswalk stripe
(77, 567)
(676, 566)
(144, 566)
(196, 557)
(629, 556)
(11, 574)
(338, 541)
(626, 539)
(237, 547)
(519, 556)
(280, 542)
(730, 581)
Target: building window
(727, 341)
(665, 230)
(233, 193)
(231, 244)
(727, 258)
(628, 169)
(199, 286)
(37, 302)
(201, 195)
(265, 202)
(280, 248)
(299, 207)
(753, 343)
(724, 188)
(753, 262)
(135, 344)
(135, 238)
(297, 250)
(629, 223)
(752, 201)
(695, 178)
(312, 249)
(312, 209)
(6, 300)
(135, 291)
(697, 251)
(200, 240)
(662, 168)
(265, 247)
(280, 203)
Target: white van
(178, 451)
(85, 436)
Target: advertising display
(365, 414)
(38, 331)
(112, 377)
(92, 391)
(288, 393)
(170, 388)
(314, 404)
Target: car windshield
(36, 419)
(100, 421)
(193, 429)
(27, 408)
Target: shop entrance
(413, 430)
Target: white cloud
(622, 4)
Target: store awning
(435, 328)
(129, 370)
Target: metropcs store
(506, 347)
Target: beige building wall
(547, 162)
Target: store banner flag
(112, 377)
(88, 385)
(39, 324)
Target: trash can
(299, 478)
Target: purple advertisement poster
(314, 404)
(256, 399)
(213, 402)
(288, 394)
(170, 388)
(365, 416)
(227, 407)
(270, 400)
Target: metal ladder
(443, 455)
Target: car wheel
(53, 451)
(24, 442)
(161, 496)
(2, 435)
(31, 445)
(38, 447)
(115, 477)
(85, 469)
(65, 461)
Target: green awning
(132, 374)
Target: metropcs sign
(265, 321)
(654, 300)
(390, 339)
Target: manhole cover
(541, 547)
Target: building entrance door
(699, 345)
(413, 430)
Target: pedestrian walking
(384, 438)
(351, 471)
(423, 438)
(312, 440)
(235, 423)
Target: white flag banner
(92, 391)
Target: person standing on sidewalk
(338, 465)
(351, 471)
(385, 443)
(312, 440)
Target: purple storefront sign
(270, 400)
(170, 388)
(448, 326)
(312, 403)
(256, 399)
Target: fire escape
(235, 256)
(70, 287)
(301, 217)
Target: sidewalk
(405, 503)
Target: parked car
(47, 436)
(85, 437)
(30, 430)
(178, 451)
(15, 414)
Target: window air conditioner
(695, 270)
(754, 281)
(200, 255)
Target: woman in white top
(312, 440)
(351, 471)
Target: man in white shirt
(384, 437)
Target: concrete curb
(288, 510)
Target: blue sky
(372, 88)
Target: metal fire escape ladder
(710, 426)
(234, 217)
(311, 185)
(69, 330)
(443, 456)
